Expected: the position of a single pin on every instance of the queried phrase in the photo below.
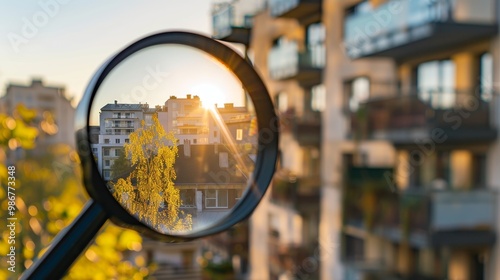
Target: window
(238, 194)
(106, 152)
(194, 141)
(107, 174)
(127, 140)
(106, 141)
(486, 76)
(94, 150)
(127, 115)
(117, 141)
(318, 98)
(188, 198)
(316, 43)
(215, 133)
(282, 102)
(106, 163)
(216, 199)
(223, 160)
(117, 152)
(357, 91)
(436, 83)
(239, 134)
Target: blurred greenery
(49, 195)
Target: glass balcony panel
(386, 29)
(279, 7)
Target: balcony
(444, 218)
(402, 29)
(285, 62)
(296, 192)
(306, 11)
(228, 27)
(363, 187)
(444, 116)
(421, 216)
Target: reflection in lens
(174, 135)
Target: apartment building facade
(55, 114)
(400, 103)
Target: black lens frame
(268, 134)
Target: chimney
(188, 96)
(116, 102)
(228, 105)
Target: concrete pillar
(493, 160)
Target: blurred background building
(54, 113)
(389, 144)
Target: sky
(65, 41)
(153, 74)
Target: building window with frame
(318, 98)
(106, 141)
(436, 83)
(127, 140)
(106, 151)
(239, 134)
(117, 152)
(106, 162)
(188, 198)
(356, 91)
(216, 199)
(117, 141)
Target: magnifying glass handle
(68, 244)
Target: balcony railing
(228, 26)
(463, 115)
(400, 28)
(309, 10)
(449, 217)
(365, 190)
(295, 191)
(420, 216)
(286, 62)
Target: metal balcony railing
(224, 18)
(454, 111)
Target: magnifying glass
(178, 139)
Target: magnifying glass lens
(174, 135)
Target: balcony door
(436, 83)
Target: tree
(49, 195)
(148, 191)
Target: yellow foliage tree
(49, 195)
(149, 191)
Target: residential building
(116, 122)
(54, 112)
(390, 110)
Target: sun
(210, 95)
